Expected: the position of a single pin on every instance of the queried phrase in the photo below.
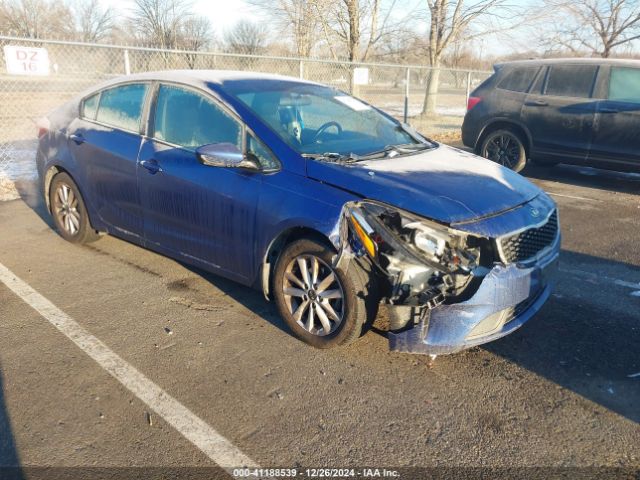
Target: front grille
(527, 244)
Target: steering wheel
(324, 127)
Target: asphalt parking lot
(564, 391)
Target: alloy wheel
(313, 294)
(503, 149)
(65, 208)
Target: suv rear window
(519, 79)
(624, 85)
(571, 80)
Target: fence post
(406, 94)
(301, 69)
(353, 88)
(468, 86)
(127, 66)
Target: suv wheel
(506, 148)
(322, 305)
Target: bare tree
(359, 25)
(296, 19)
(447, 20)
(94, 23)
(158, 22)
(596, 27)
(246, 37)
(195, 35)
(36, 18)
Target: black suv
(580, 111)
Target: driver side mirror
(226, 155)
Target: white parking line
(600, 278)
(574, 197)
(192, 427)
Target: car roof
(572, 61)
(202, 78)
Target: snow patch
(415, 109)
(8, 189)
(16, 164)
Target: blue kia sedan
(325, 203)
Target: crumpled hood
(444, 184)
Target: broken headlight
(389, 235)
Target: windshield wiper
(388, 151)
(333, 157)
(394, 150)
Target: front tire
(322, 305)
(505, 147)
(69, 211)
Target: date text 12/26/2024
(315, 473)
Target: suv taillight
(472, 102)
(43, 125)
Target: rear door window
(539, 82)
(571, 80)
(624, 85)
(519, 79)
(121, 107)
(188, 119)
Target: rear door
(195, 211)
(105, 142)
(559, 111)
(617, 133)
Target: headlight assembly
(429, 241)
(386, 233)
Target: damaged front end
(447, 288)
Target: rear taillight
(43, 125)
(472, 102)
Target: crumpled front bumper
(507, 297)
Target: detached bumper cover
(506, 299)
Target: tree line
(437, 33)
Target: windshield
(317, 120)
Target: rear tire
(504, 146)
(69, 211)
(331, 307)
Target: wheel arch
(508, 124)
(47, 179)
(277, 245)
(51, 172)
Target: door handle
(609, 110)
(78, 139)
(151, 165)
(536, 103)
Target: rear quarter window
(121, 107)
(571, 80)
(90, 106)
(624, 85)
(518, 79)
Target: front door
(201, 213)
(560, 113)
(617, 134)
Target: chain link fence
(73, 67)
